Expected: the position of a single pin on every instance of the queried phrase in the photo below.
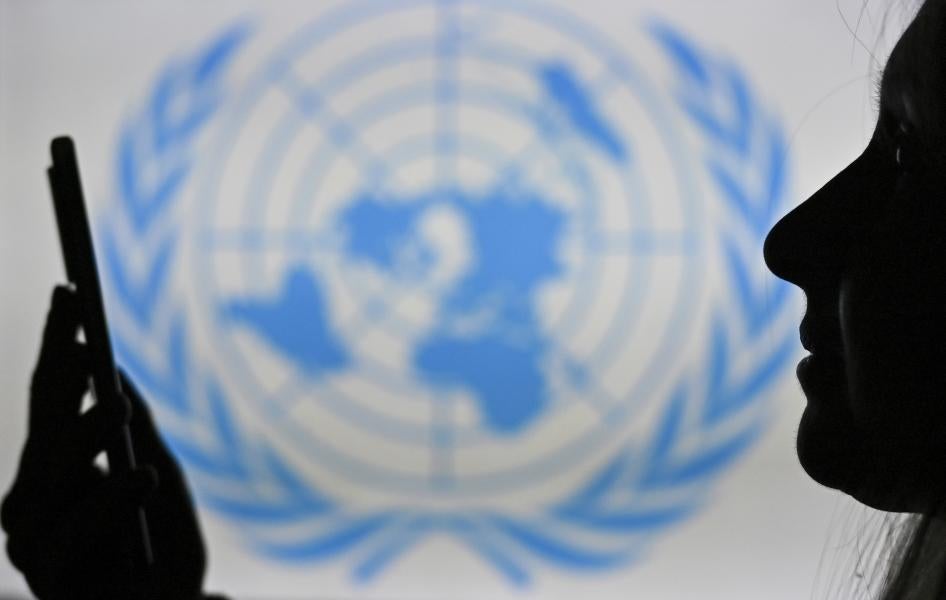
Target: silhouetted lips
(820, 338)
(821, 376)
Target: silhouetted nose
(799, 246)
(777, 250)
(811, 244)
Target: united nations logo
(450, 267)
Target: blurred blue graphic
(579, 205)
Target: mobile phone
(78, 254)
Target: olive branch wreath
(708, 420)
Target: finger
(60, 381)
(61, 451)
(20, 503)
(11, 510)
(108, 510)
(95, 431)
(101, 531)
(147, 440)
(65, 458)
(139, 408)
(63, 319)
(18, 551)
(173, 505)
(120, 491)
(62, 370)
(138, 485)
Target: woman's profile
(868, 250)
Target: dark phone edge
(79, 258)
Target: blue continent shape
(504, 377)
(383, 233)
(565, 89)
(295, 323)
(515, 242)
(514, 245)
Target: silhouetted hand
(68, 523)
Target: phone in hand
(78, 254)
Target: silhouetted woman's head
(869, 251)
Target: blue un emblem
(453, 267)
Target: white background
(71, 67)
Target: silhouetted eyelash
(876, 94)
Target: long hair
(917, 566)
(865, 553)
(871, 554)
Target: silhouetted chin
(836, 454)
(827, 443)
(826, 447)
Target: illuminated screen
(449, 299)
